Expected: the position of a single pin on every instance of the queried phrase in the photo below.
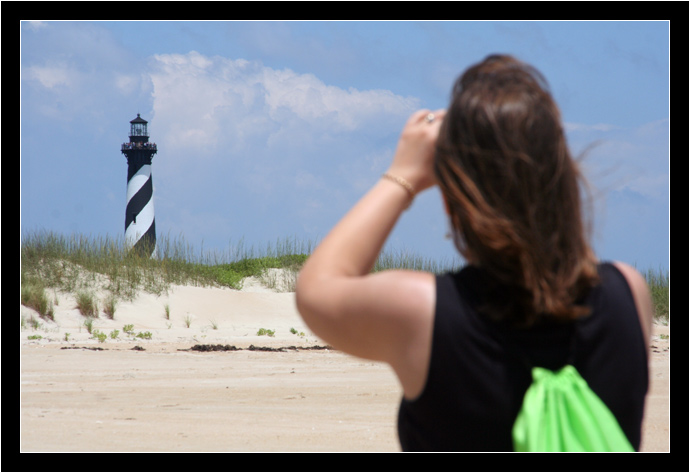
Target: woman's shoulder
(640, 293)
(626, 270)
(633, 278)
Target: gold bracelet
(408, 187)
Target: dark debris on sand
(252, 348)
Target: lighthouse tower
(140, 225)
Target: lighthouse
(140, 224)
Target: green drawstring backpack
(560, 413)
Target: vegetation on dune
(659, 282)
(33, 295)
(80, 265)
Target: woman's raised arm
(385, 316)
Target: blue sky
(273, 130)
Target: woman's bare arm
(385, 316)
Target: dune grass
(659, 282)
(100, 271)
(80, 264)
(77, 262)
(33, 295)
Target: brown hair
(512, 190)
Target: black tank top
(477, 374)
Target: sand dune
(286, 392)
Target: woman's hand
(414, 157)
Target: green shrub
(33, 295)
(88, 323)
(659, 283)
(100, 336)
(295, 332)
(109, 309)
(86, 303)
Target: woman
(532, 294)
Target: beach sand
(283, 393)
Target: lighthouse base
(142, 244)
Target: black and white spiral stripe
(140, 224)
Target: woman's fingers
(432, 117)
(413, 159)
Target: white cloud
(585, 127)
(231, 131)
(35, 25)
(51, 76)
(127, 83)
(207, 102)
(656, 187)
